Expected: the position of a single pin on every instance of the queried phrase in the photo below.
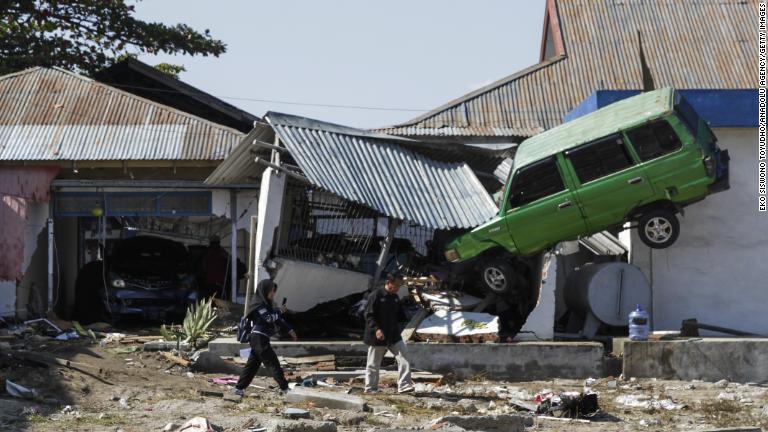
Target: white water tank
(608, 291)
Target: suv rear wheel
(658, 228)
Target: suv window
(654, 140)
(535, 181)
(600, 158)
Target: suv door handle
(564, 205)
(635, 180)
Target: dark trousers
(261, 352)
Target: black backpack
(244, 329)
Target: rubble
(301, 426)
(326, 399)
(504, 422)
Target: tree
(88, 35)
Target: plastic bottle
(638, 324)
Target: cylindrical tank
(610, 291)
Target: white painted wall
(716, 271)
(541, 322)
(305, 285)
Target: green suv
(641, 159)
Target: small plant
(199, 317)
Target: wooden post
(251, 265)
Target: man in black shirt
(382, 334)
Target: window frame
(613, 137)
(647, 124)
(515, 178)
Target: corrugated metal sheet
(385, 175)
(613, 118)
(239, 166)
(689, 44)
(52, 114)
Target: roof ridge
(127, 94)
(477, 92)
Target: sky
(406, 56)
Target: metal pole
(251, 265)
(50, 258)
(233, 242)
(382, 260)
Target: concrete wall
(719, 258)
(737, 360)
(523, 361)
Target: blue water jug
(638, 324)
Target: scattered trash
(727, 396)
(19, 391)
(124, 404)
(567, 404)
(43, 320)
(199, 424)
(590, 382)
(83, 332)
(647, 403)
(722, 383)
(225, 380)
(67, 336)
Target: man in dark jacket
(266, 322)
(382, 334)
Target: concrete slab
(323, 399)
(712, 359)
(520, 361)
(230, 347)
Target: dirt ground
(142, 391)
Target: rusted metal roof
(688, 44)
(50, 114)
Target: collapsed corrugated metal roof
(49, 114)
(593, 45)
(388, 174)
(382, 173)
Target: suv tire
(658, 229)
(499, 276)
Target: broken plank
(309, 359)
(413, 324)
(177, 360)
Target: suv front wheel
(500, 276)
(658, 228)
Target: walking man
(266, 322)
(382, 334)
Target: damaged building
(87, 166)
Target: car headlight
(452, 255)
(118, 283)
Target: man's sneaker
(239, 392)
(410, 389)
